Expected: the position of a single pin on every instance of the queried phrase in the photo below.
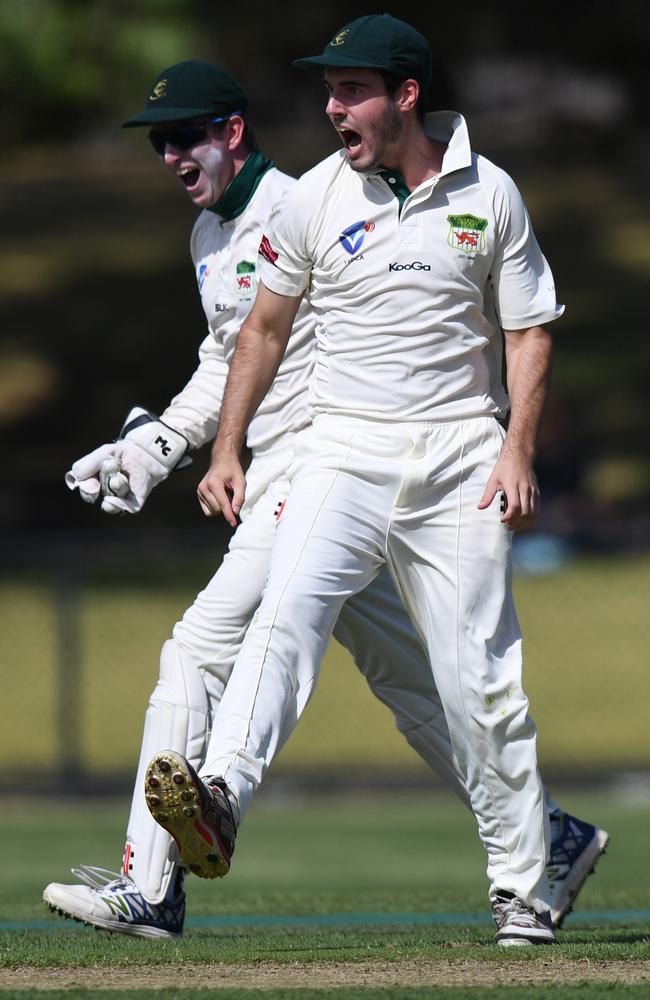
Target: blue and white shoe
(576, 846)
(113, 902)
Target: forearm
(260, 348)
(252, 370)
(528, 362)
(261, 344)
(194, 411)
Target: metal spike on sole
(69, 916)
(186, 816)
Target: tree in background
(69, 65)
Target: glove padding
(125, 472)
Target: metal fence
(83, 620)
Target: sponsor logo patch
(415, 265)
(351, 239)
(467, 233)
(203, 272)
(267, 251)
(163, 445)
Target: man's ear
(235, 128)
(407, 95)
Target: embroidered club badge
(467, 233)
(246, 279)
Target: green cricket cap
(190, 89)
(378, 41)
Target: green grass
(350, 887)
(355, 894)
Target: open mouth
(351, 140)
(189, 176)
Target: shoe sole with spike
(179, 802)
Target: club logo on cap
(340, 38)
(158, 91)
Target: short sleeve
(285, 265)
(523, 284)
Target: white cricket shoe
(518, 924)
(113, 902)
(575, 848)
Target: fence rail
(84, 620)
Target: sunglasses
(184, 136)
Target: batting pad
(178, 718)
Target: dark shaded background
(98, 303)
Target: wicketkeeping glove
(124, 472)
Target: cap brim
(155, 115)
(310, 62)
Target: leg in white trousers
(364, 495)
(196, 664)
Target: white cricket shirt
(225, 259)
(410, 304)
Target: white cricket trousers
(196, 664)
(364, 494)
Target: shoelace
(515, 909)
(100, 878)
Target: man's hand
(124, 472)
(223, 488)
(528, 364)
(99, 473)
(121, 474)
(514, 477)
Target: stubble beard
(383, 142)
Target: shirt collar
(241, 189)
(450, 127)
(446, 126)
(396, 183)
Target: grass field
(364, 895)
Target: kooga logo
(417, 265)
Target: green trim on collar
(241, 189)
(397, 184)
